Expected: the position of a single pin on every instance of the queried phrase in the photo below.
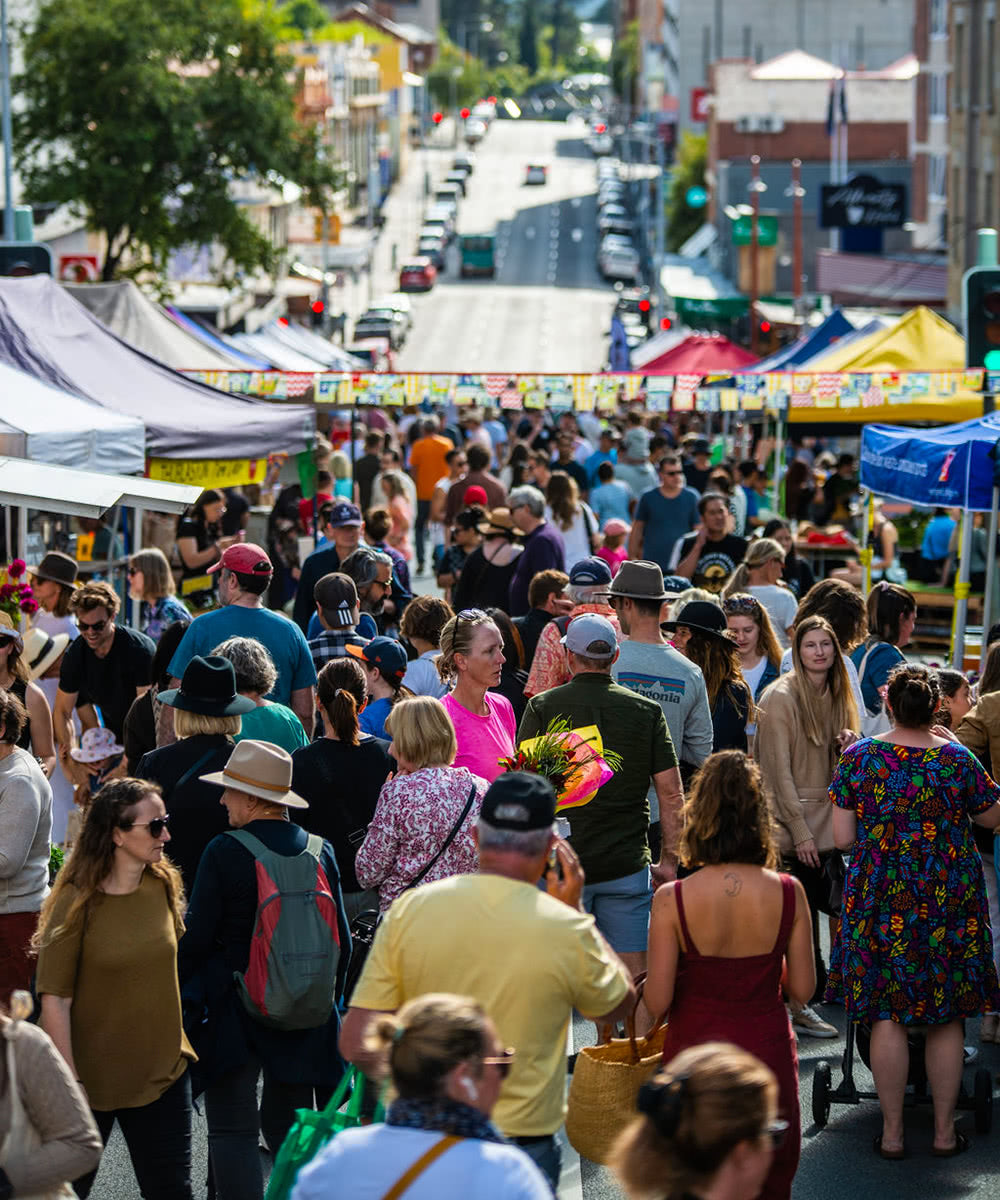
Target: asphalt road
(547, 309)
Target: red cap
(245, 559)
(474, 494)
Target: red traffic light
(491, 99)
(317, 306)
(464, 114)
(644, 306)
(765, 326)
(602, 128)
(665, 323)
(437, 118)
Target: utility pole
(661, 221)
(798, 192)
(754, 250)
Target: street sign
(863, 203)
(767, 231)
(699, 103)
(719, 308)
(79, 268)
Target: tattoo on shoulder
(734, 885)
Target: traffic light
(437, 118)
(601, 128)
(491, 99)
(25, 258)
(981, 316)
(765, 326)
(464, 114)
(665, 323)
(644, 306)
(318, 308)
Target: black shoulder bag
(365, 924)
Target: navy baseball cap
(343, 514)
(590, 570)
(519, 800)
(386, 654)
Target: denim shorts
(621, 910)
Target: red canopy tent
(701, 354)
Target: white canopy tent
(50, 425)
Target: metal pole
(961, 593)
(137, 515)
(754, 251)
(868, 548)
(991, 566)
(779, 455)
(661, 224)
(8, 133)
(797, 230)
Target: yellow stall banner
(208, 472)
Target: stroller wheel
(983, 1101)
(821, 1094)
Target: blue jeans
(621, 909)
(546, 1154)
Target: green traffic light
(992, 360)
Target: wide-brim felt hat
(208, 687)
(57, 568)
(259, 769)
(638, 579)
(703, 616)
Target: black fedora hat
(702, 615)
(208, 687)
(57, 568)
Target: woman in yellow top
(107, 978)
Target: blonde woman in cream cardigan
(805, 720)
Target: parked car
(612, 209)
(607, 168)
(381, 322)
(417, 275)
(617, 261)
(613, 223)
(399, 303)
(442, 216)
(434, 247)
(464, 162)
(375, 354)
(475, 131)
(458, 178)
(484, 111)
(536, 173)
(448, 194)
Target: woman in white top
(447, 1067)
(758, 574)
(572, 517)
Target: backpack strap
(249, 842)
(420, 1166)
(192, 771)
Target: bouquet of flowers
(16, 597)
(574, 760)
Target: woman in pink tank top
(724, 942)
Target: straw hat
(261, 770)
(499, 521)
(42, 649)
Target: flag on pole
(836, 107)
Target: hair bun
(663, 1102)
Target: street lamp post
(754, 249)
(797, 193)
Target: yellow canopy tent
(919, 341)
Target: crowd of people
(290, 749)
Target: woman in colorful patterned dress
(914, 947)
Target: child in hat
(613, 551)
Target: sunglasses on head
(504, 1062)
(92, 626)
(155, 827)
(472, 614)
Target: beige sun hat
(260, 769)
(41, 650)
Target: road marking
(576, 235)
(530, 231)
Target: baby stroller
(979, 1100)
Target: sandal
(962, 1144)
(889, 1155)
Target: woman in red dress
(724, 941)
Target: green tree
(528, 38)
(688, 172)
(145, 113)
(625, 63)
(305, 16)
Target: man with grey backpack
(262, 967)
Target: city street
(547, 309)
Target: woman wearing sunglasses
(107, 979)
(707, 1129)
(447, 1067)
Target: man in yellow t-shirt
(529, 957)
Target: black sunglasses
(155, 827)
(91, 626)
(504, 1062)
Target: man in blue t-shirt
(664, 515)
(244, 574)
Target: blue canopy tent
(948, 467)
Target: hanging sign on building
(863, 203)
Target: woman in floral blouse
(420, 806)
(151, 581)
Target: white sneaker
(809, 1022)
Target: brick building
(929, 199)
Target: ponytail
(737, 582)
(343, 693)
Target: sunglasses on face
(504, 1062)
(92, 626)
(668, 473)
(155, 827)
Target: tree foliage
(689, 171)
(528, 38)
(145, 113)
(625, 63)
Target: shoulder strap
(192, 771)
(691, 948)
(249, 842)
(447, 841)
(420, 1166)
(864, 662)
(562, 623)
(787, 913)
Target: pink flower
(17, 568)
(29, 606)
(6, 591)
